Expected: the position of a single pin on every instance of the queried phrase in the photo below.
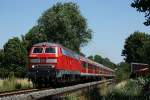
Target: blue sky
(112, 21)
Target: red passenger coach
(53, 63)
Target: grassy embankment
(127, 90)
(14, 84)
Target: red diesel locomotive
(53, 63)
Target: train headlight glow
(33, 66)
(35, 60)
(51, 60)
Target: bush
(7, 73)
(122, 72)
(4, 73)
(127, 88)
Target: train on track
(51, 63)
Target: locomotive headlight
(33, 66)
(35, 60)
(51, 60)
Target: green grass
(14, 84)
(125, 90)
(129, 88)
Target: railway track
(33, 94)
(22, 91)
(8, 93)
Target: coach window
(37, 50)
(84, 64)
(94, 67)
(89, 65)
(50, 50)
(101, 71)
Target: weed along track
(31, 94)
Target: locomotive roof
(52, 44)
(47, 44)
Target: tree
(123, 71)
(146, 52)
(34, 36)
(143, 6)
(91, 57)
(136, 48)
(15, 55)
(101, 60)
(104, 61)
(64, 24)
(1, 57)
(98, 59)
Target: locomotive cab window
(50, 50)
(37, 50)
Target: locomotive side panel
(70, 60)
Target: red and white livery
(51, 63)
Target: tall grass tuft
(126, 88)
(13, 83)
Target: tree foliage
(1, 57)
(91, 57)
(101, 60)
(122, 71)
(64, 24)
(143, 6)
(137, 48)
(34, 36)
(15, 56)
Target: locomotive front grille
(41, 72)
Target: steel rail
(8, 93)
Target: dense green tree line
(13, 58)
(104, 61)
(122, 71)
